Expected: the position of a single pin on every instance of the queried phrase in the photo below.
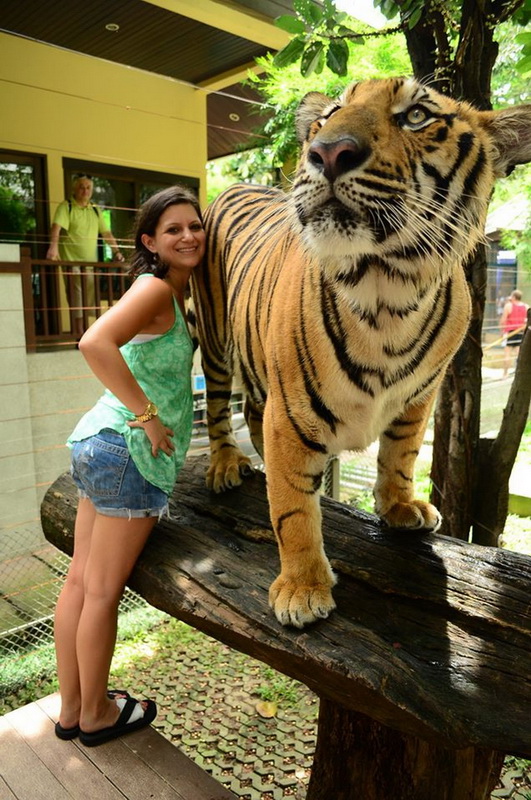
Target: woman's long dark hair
(147, 219)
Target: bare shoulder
(149, 285)
(149, 291)
(146, 301)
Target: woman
(126, 453)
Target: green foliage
(410, 10)
(524, 64)
(320, 32)
(278, 688)
(258, 165)
(509, 85)
(320, 35)
(14, 215)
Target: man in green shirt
(81, 222)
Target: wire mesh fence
(30, 584)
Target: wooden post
(358, 757)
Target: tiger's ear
(510, 130)
(311, 108)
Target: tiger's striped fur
(341, 303)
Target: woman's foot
(127, 715)
(66, 733)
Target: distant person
(512, 324)
(126, 454)
(81, 222)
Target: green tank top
(162, 367)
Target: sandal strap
(127, 710)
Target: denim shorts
(104, 471)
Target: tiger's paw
(227, 469)
(300, 605)
(416, 515)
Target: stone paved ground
(214, 704)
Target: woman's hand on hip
(158, 434)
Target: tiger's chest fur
(348, 341)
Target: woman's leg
(115, 545)
(67, 614)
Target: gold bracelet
(149, 412)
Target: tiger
(340, 303)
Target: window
(23, 209)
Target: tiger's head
(394, 168)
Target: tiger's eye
(416, 115)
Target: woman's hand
(158, 434)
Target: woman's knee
(102, 593)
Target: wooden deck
(36, 765)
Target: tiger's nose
(335, 158)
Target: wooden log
(431, 638)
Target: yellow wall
(59, 103)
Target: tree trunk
(457, 416)
(496, 457)
(357, 757)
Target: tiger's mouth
(381, 220)
(335, 212)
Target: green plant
(278, 689)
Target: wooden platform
(36, 765)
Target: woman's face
(179, 238)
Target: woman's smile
(179, 239)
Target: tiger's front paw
(227, 469)
(298, 605)
(415, 515)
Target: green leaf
(343, 31)
(341, 16)
(388, 8)
(414, 18)
(309, 12)
(337, 57)
(290, 24)
(523, 38)
(290, 53)
(329, 9)
(522, 16)
(312, 59)
(524, 65)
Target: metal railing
(55, 292)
